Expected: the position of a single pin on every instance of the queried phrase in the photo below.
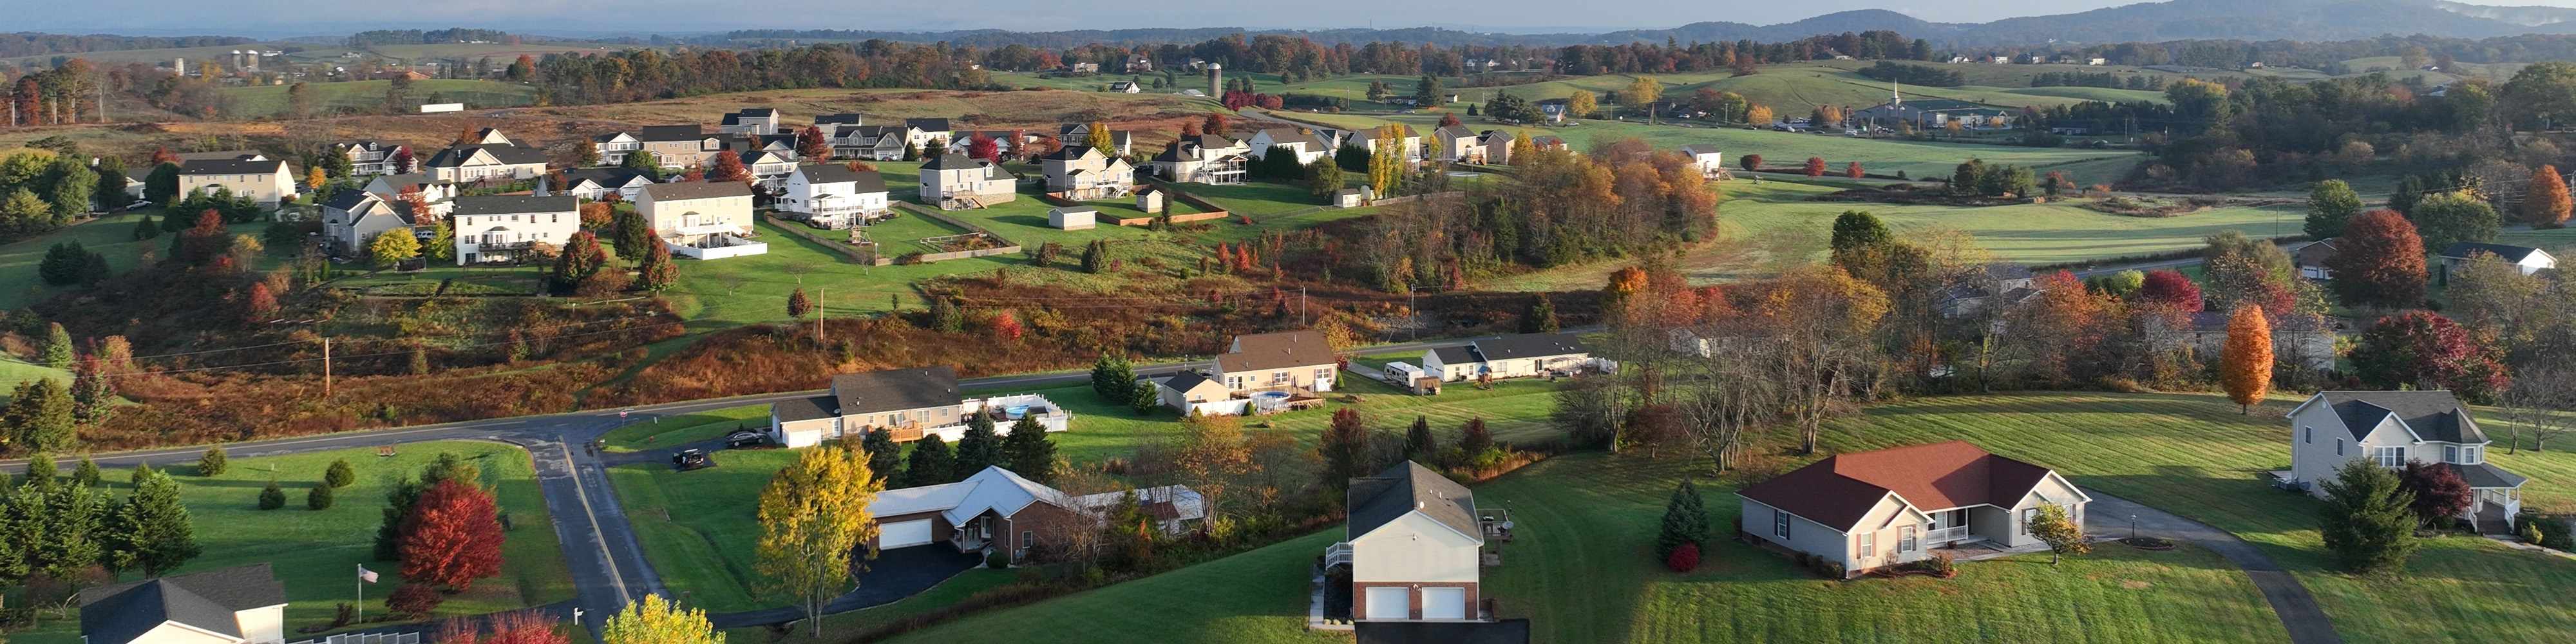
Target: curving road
(608, 567)
(2290, 599)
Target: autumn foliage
(2379, 261)
(452, 536)
(2245, 362)
(2546, 204)
(1815, 166)
(2171, 288)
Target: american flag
(366, 575)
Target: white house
(1867, 510)
(922, 132)
(593, 184)
(750, 120)
(267, 181)
(1707, 159)
(2529, 260)
(467, 163)
(2391, 428)
(237, 605)
(352, 218)
(834, 196)
(701, 219)
(495, 228)
(1083, 173)
(1307, 145)
(996, 510)
(1513, 356)
(366, 157)
(910, 403)
(1207, 159)
(1414, 547)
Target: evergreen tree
(151, 531)
(86, 474)
(340, 474)
(1095, 257)
(67, 537)
(1541, 317)
(944, 316)
(41, 470)
(1144, 400)
(632, 235)
(2367, 519)
(930, 463)
(320, 497)
(41, 417)
(64, 264)
(980, 447)
(1112, 377)
(58, 346)
(1028, 451)
(1474, 438)
(1685, 521)
(93, 393)
(2409, 190)
(272, 497)
(1418, 443)
(213, 462)
(885, 457)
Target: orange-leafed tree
(1007, 326)
(729, 167)
(452, 536)
(2379, 261)
(2245, 362)
(597, 214)
(812, 145)
(1853, 170)
(1815, 166)
(2546, 204)
(258, 303)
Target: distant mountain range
(2252, 20)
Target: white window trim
(1869, 545)
(1780, 523)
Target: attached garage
(903, 534)
(1448, 602)
(1390, 602)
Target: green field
(838, 627)
(369, 95)
(1878, 156)
(1773, 218)
(696, 528)
(316, 553)
(1583, 573)
(666, 433)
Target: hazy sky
(269, 18)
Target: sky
(276, 18)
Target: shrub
(319, 498)
(272, 497)
(414, 600)
(1941, 564)
(997, 560)
(2530, 532)
(340, 474)
(1832, 570)
(212, 463)
(2554, 534)
(1684, 558)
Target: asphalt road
(608, 567)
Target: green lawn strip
(112, 235)
(667, 433)
(316, 554)
(1256, 597)
(1583, 570)
(838, 627)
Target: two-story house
(871, 142)
(485, 162)
(366, 157)
(2390, 428)
(594, 184)
(834, 196)
(237, 605)
(1879, 508)
(1121, 141)
(1082, 173)
(1454, 143)
(1285, 361)
(769, 169)
(267, 181)
(440, 195)
(352, 218)
(1306, 145)
(1706, 159)
(500, 228)
(923, 132)
(701, 219)
(673, 146)
(1414, 546)
(750, 120)
(833, 125)
(953, 181)
(1209, 159)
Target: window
(2450, 453)
(1905, 539)
(1780, 523)
(2472, 455)
(2389, 456)
(1868, 544)
(2338, 447)
(2028, 516)
(1323, 374)
(1028, 538)
(2309, 435)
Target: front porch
(2492, 509)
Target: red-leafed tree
(812, 145)
(258, 304)
(414, 599)
(2379, 261)
(729, 167)
(203, 243)
(1750, 161)
(2423, 350)
(2171, 288)
(1448, 119)
(696, 173)
(452, 536)
(1189, 129)
(1270, 101)
(2440, 493)
(161, 155)
(983, 147)
(402, 161)
(1815, 166)
(1853, 170)
(1215, 124)
(1007, 326)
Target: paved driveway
(2110, 515)
(896, 574)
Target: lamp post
(2133, 526)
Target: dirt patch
(2133, 584)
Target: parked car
(691, 459)
(746, 438)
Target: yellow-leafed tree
(1098, 138)
(654, 621)
(1758, 115)
(1581, 104)
(314, 178)
(2245, 363)
(1522, 146)
(812, 515)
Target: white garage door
(1390, 602)
(903, 534)
(1444, 603)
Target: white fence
(367, 638)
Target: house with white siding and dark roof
(500, 228)
(1513, 356)
(2391, 428)
(833, 196)
(237, 605)
(910, 403)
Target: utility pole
(1301, 307)
(326, 366)
(818, 315)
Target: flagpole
(362, 595)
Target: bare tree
(1724, 396)
(2542, 400)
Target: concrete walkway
(2110, 515)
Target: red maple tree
(2171, 288)
(452, 536)
(985, 148)
(729, 167)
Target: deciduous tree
(2423, 350)
(812, 515)
(452, 536)
(2379, 262)
(2451, 217)
(652, 620)
(2063, 536)
(2245, 362)
(2167, 287)
(2331, 204)
(2440, 493)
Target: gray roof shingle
(895, 389)
(1530, 345)
(2434, 415)
(513, 204)
(1378, 500)
(696, 190)
(2509, 252)
(206, 600)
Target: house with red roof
(1892, 506)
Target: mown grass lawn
(112, 235)
(316, 554)
(838, 627)
(1257, 597)
(697, 527)
(667, 433)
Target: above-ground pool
(1016, 411)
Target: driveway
(896, 574)
(2110, 515)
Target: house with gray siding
(1879, 508)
